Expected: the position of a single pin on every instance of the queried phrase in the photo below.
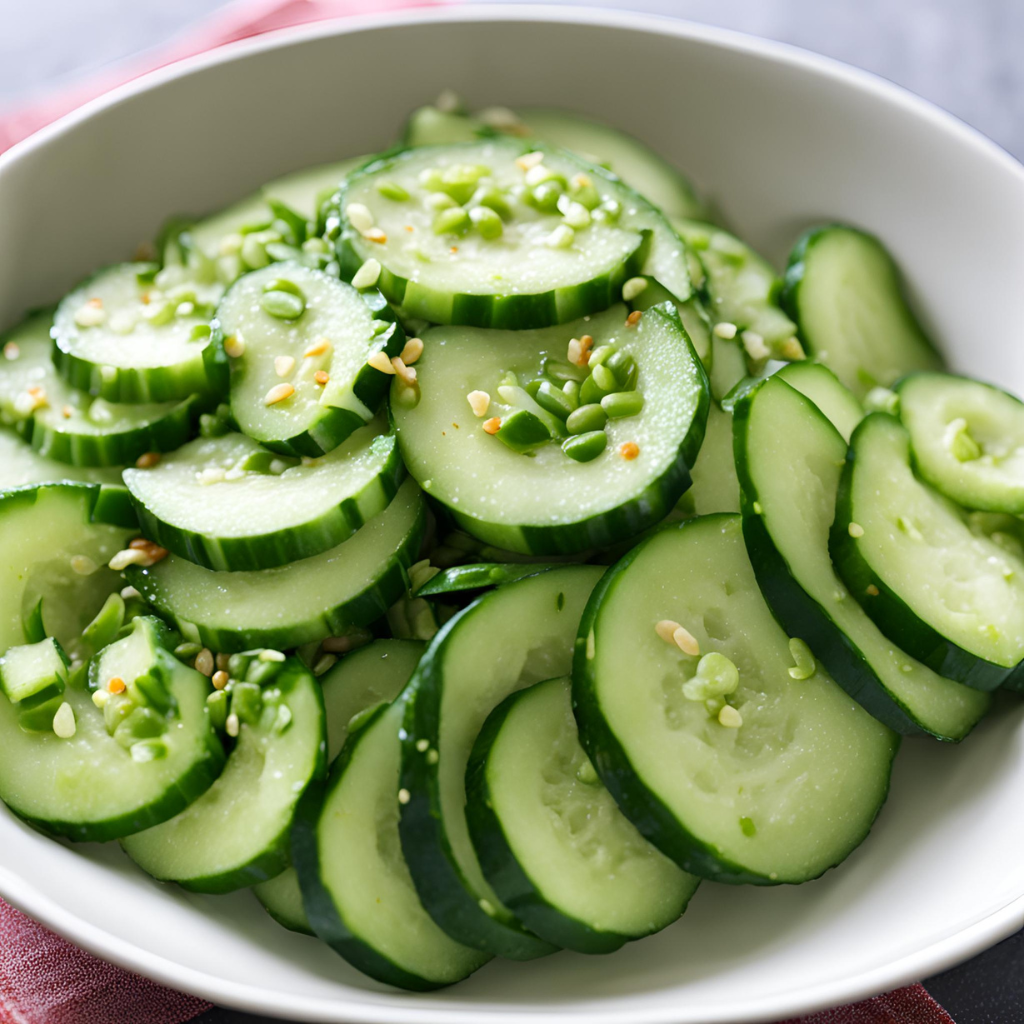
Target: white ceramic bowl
(781, 138)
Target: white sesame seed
(318, 348)
(376, 235)
(633, 287)
(90, 315)
(283, 365)
(666, 629)
(855, 530)
(724, 330)
(232, 725)
(412, 350)
(83, 565)
(183, 309)
(380, 361)
(129, 593)
(537, 173)
(404, 796)
(359, 216)
(269, 654)
(100, 697)
(130, 556)
(210, 475)
(422, 745)
(754, 345)
(792, 350)
(64, 725)
(730, 717)
(234, 346)
(479, 402)
(686, 641)
(528, 161)
(204, 662)
(367, 275)
(278, 393)
(580, 181)
(406, 373)
(561, 238)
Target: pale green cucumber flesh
(818, 383)
(715, 487)
(21, 465)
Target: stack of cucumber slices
(472, 548)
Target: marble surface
(962, 54)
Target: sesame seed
(115, 685)
(792, 350)
(232, 725)
(730, 717)
(380, 361)
(367, 275)
(129, 593)
(83, 565)
(234, 346)
(666, 630)
(855, 530)
(422, 745)
(404, 796)
(492, 426)
(724, 330)
(11, 351)
(204, 662)
(91, 314)
(412, 350)
(406, 373)
(210, 475)
(561, 237)
(633, 287)
(283, 365)
(634, 318)
(222, 661)
(100, 698)
(376, 235)
(318, 348)
(325, 664)
(321, 377)
(871, 590)
(359, 216)
(133, 556)
(64, 725)
(685, 641)
(337, 644)
(147, 460)
(574, 352)
(529, 160)
(454, 249)
(580, 181)
(278, 393)
(754, 345)
(757, 508)
(219, 679)
(269, 654)
(479, 402)
(67, 412)
(629, 450)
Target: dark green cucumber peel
(886, 608)
(478, 576)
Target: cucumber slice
(530, 269)
(691, 313)
(507, 498)
(550, 838)
(237, 832)
(967, 438)
(471, 666)
(52, 551)
(355, 883)
(715, 487)
(341, 328)
(307, 190)
(478, 576)
(33, 673)
(822, 387)
(349, 585)
(71, 426)
(120, 337)
(844, 291)
(789, 459)
(227, 503)
(371, 675)
(740, 289)
(950, 598)
(728, 366)
(89, 787)
(781, 791)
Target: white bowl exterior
(781, 139)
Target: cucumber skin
(364, 608)
(500, 866)
(888, 610)
(189, 788)
(433, 866)
(799, 614)
(269, 550)
(114, 507)
(649, 815)
(479, 576)
(121, 449)
(323, 915)
(332, 425)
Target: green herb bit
(558, 370)
(959, 443)
(217, 704)
(453, 221)
(586, 419)
(747, 827)
(487, 222)
(493, 199)
(571, 390)
(544, 198)
(622, 404)
(601, 355)
(392, 190)
(716, 676)
(523, 431)
(283, 305)
(585, 447)
(553, 399)
(805, 666)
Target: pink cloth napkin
(43, 978)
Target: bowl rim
(374, 1007)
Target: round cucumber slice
(122, 338)
(356, 885)
(237, 832)
(822, 387)
(88, 786)
(21, 465)
(69, 425)
(967, 438)
(545, 503)
(349, 585)
(551, 839)
(371, 675)
(949, 597)
(278, 363)
(789, 460)
(476, 235)
(227, 503)
(780, 788)
(506, 640)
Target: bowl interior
(780, 139)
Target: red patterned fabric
(43, 978)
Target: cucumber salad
(472, 548)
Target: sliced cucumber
(822, 387)
(507, 639)
(122, 338)
(691, 313)
(371, 675)
(89, 785)
(71, 426)
(478, 576)
(550, 838)
(740, 289)
(227, 503)
(33, 673)
(511, 259)
(728, 366)
(306, 191)
(778, 789)
(506, 500)
(967, 438)
(349, 585)
(950, 598)
(715, 487)
(789, 459)
(844, 291)
(294, 324)
(237, 832)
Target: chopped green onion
(622, 404)
(586, 418)
(523, 431)
(454, 221)
(392, 190)
(585, 447)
